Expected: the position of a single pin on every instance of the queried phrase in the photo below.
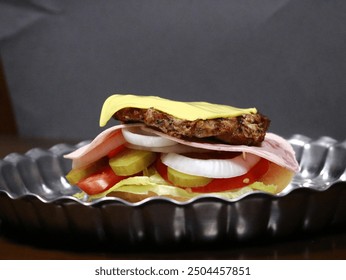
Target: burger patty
(247, 129)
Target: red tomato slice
(161, 168)
(115, 151)
(100, 181)
(219, 185)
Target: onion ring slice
(211, 168)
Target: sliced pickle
(75, 175)
(129, 162)
(186, 180)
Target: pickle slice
(186, 180)
(75, 175)
(129, 162)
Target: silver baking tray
(36, 199)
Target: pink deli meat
(274, 148)
(105, 142)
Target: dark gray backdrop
(285, 57)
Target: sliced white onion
(139, 137)
(211, 168)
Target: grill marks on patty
(247, 129)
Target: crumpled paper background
(285, 57)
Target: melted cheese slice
(183, 110)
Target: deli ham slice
(105, 142)
(274, 148)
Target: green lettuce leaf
(259, 186)
(152, 182)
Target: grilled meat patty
(247, 129)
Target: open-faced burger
(181, 150)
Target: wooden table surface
(15, 245)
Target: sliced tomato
(100, 181)
(225, 184)
(115, 151)
(161, 169)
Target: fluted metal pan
(35, 198)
